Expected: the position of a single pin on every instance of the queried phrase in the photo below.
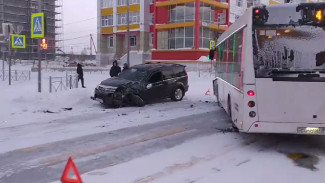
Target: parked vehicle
(143, 83)
(70, 64)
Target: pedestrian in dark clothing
(125, 67)
(115, 70)
(80, 74)
(211, 53)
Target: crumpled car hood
(115, 81)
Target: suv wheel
(136, 100)
(177, 94)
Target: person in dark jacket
(115, 70)
(125, 67)
(80, 74)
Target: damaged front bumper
(104, 94)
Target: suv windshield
(133, 74)
(289, 51)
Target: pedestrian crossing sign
(212, 44)
(18, 41)
(38, 25)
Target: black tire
(116, 101)
(137, 100)
(229, 107)
(177, 94)
(230, 114)
(216, 90)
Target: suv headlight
(98, 85)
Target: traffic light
(44, 44)
(260, 15)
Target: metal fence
(15, 75)
(63, 83)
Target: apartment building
(183, 29)
(112, 25)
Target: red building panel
(152, 8)
(178, 55)
(152, 28)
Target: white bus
(271, 70)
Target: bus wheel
(229, 107)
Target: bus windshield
(289, 51)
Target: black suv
(142, 83)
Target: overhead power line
(80, 21)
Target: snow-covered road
(176, 142)
(43, 163)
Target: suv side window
(156, 77)
(179, 71)
(167, 74)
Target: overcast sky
(79, 21)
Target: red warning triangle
(65, 176)
(207, 92)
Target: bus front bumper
(288, 128)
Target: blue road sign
(18, 41)
(38, 25)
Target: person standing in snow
(125, 67)
(115, 70)
(80, 74)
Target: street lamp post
(39, 54)
(128, 31)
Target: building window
(110, 41)
(107, 21)
(151, 39)
(221, 18)
(182, 13)
(239, 3)
(133, 40)
(106, 3)
(124, 2)
(152, 19)
(206, 36)
(207, 13)
(134, 18)
(181, 38)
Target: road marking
(35, 148)
(122, 143)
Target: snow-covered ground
(27, 111)
(216, 158)
(28, 129)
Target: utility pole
(3, 66)
(128, 34)
(39, 54)
(3, 51)
(92, 43)
(9, 53)
(91, 46)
